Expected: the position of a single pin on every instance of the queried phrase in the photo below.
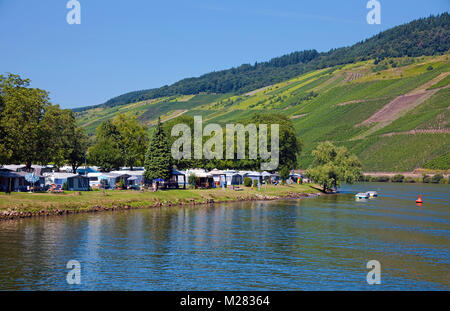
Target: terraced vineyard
(394, 114)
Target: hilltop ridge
(426, 36)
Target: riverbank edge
(15, 215)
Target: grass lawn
(35, 202)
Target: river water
(311, 244)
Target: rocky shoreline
(13, 215)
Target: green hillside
(393, 113)
(426, 36)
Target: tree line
(123, 142)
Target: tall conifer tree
(158, 160)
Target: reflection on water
(311, 244)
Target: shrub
(398, 178)
(437, 178)
(382, 178)
(365, 178)
(426, 179)
(121, 184)
(193, 180)
(409, 180)
(247, 182)
(65, 186)
(255, 183)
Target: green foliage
(398, 178)
(247, 182)
(327, 104)
(439, 163)
(284, 173)
(420, 37)
(65, 186)
(78, 146)
(426, 179)
(106, 154)
(167, 127)
(289, 144)
(121, 184)
(255, 183)
(119, 142)
(442, 83)
(132, 139)
(333, 165)
(158, 160)
(382, 179)
(436, 179)
(193, 180)
(34, 131)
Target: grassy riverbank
(18, 205)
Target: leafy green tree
(34, 131)
(106, 154)
(158, 160)
(247, 182)
(58, 135)
(28, 123)
(167, 127)
(133, 139)
(284, 173)
(193, 180)
(290, 145)
(333, 165)
(127, 143)
(78, 145)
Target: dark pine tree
(158, 159)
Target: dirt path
(430, 83)
(258, 90)
(400, 106)
(404, 103)
(298, 116)
(424, 131)
(175, 114)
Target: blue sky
(124, 46)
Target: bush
(426, 179)
(398, 178)
(409, 180)
(382, 178)
(436, 178)
(366, 178)
(193, 180)
(247, 182)
(255, 183)
(65, 186)
(121, 184)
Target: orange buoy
(419, 200)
